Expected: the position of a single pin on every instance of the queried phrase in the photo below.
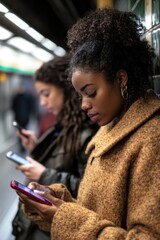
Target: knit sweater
(119, 196)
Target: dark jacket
(62, 166)
(22, 106)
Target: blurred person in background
(60, 151)
(21, 105)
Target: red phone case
(28, 192)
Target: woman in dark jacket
(60, 152)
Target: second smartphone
(17, 158)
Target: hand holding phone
(28, 138)
(19, 128)
(29, 192)
(17, 158)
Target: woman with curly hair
(119, 196)
(60, 151)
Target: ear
(122, 77)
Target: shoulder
(150, 130)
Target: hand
(32, 171)
(38, 187)
(30, 142)
(44, 211)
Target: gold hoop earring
(124, 92)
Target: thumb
(31, 160)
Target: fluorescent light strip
(33, 33)
(22, 44)
(3, 8)
(16, 20)
(26, 46)
(49, 44)
(59, 51)
(42, 55)
(4, 33)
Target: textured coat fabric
(119, 196)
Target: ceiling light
(16, 20)
(49, 44)
(59, 51)
(36, 35)
(3, 8)
(4, 33)
(42, 55)
(7, 55)
(22, 44)
(16, 60)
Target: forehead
(81, 78)
(41, 86)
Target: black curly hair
(109, 40)
(71, 117)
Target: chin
(50, 111)
(55, 113)
(100, 123)
(104, 123)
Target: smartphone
(19, 128)
(29, 192)
(17, 158)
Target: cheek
(43, 100)
(114, 104)
(108, 101)
(104, 100)
(58, 101)
(51, 100)
(61, 102)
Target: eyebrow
(43, 90)
(85, 86)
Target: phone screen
(29, 192)
(18, 159)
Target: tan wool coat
(119, 196)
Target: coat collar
(139, 112)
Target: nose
(43, 101)
(86, 105)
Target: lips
(50, 109)
(93, 117)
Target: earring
(124, 92)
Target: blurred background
(32, 32)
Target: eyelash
(92, 95)
(45, 94)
